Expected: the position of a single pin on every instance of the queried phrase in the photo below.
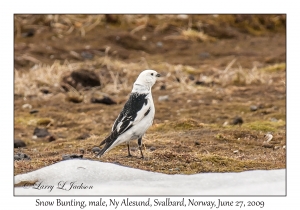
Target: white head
(145, 81)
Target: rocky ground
(220, 103)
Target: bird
(136, 117)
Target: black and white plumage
(136, 116)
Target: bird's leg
(140, 146)
(129, 155)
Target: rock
(133, 149)
(105, 100)
(163, 98)
(69, 157)
(267, 145)
(45, 91)
(80, 79)
(273, 119)
(197, 143)
(204, 55)
(200, 83)
(253, 108)
(237, 121)
(163, 87)
(26, 106)
(87, 55)
(41, 132)
(96, 149)
(182, 16)
(191, 77)
(19, 143)
(50, 138)
(33, 111)
(276, 147)
(83, 136)
(235, 151)
(28, 32)
(159, 44)
(152, 148)
(225, 123)
(21, 156)
(81, 150)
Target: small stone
(163, 87)
(191, 77)
(96, 149)
(41, 132)
(204, 55)
(81, 150)
(266, 145)
(45, 91)
(199, 83)
(225, 123)
(33, 111)
(283, 147)
(235, 151)
(182, 16)
(276, 147)
(237, 121)
(83, 136)
(21, 156)
(197, 143)
(50, 138)
(159, 44)
(28, 33)
(273, 119)
(163, 98)
(253, 108)
(19, 143)
(87, 55)
(26, 106)
(133, 149)
(152, 148)
(105, 100)
(68, 157)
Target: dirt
(208, 80)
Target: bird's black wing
(135, 109)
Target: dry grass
(121, 74)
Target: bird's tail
(108, 143)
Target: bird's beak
(158, 75)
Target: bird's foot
(97, 155)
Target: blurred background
(220, 104)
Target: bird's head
(146, 79)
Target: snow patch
(99, 178)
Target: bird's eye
(151, 74)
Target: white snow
(112, 179)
